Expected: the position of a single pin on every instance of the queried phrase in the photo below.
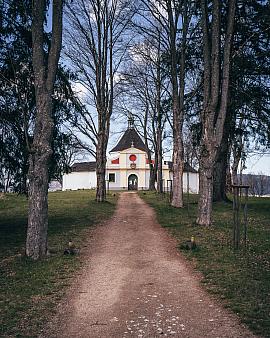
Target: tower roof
(130, 139)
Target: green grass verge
(30, 290)
(241, 279)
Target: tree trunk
(153, 170)
(23, 183)
(237, 151)
(159, 160)
(159, 123)
(234, 171)
(208, 155)
(222, 165)
(36, 243)
(215, 105)
(206, 194)
(45, 69)
(152, 167)
(152, 179)
(159, 176)
(101, 185)
(178, 168)
(101, 167)
(221, 169)
(178, 89)
(220, 178)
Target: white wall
(113, 185)
(87, 180)
(79, 180)
(193, 182)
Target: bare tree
(215, 98)
(96, 46)
(44, 72)
(174, 17)
(146, 87)
(178, 91)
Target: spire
(130, 121)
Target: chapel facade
(127, 168)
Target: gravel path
(135, 284)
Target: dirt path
(135, 284)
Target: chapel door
(133, 182)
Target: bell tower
(130, 121)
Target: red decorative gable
(116, 161)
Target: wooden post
(237, 196)
(245, 216)
(234, 216)
(238, 208)
(188, 187)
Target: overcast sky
(257, 164)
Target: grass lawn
(30, 290)
(241, 279)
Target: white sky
(257, 164)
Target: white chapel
(127, 168)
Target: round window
(133, 158)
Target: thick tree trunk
(178, 168)
(216, 92)
(222, 165)
(208, 155)
(152, 179)
(206, 193)
(220, 171)
(36, 243)
(219, 183)
(101, 185)
(45, 69)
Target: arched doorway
(132, 182)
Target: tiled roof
(83, 166)
(91, 166)
(129, 139)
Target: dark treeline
(259, 185)
(18, 102)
